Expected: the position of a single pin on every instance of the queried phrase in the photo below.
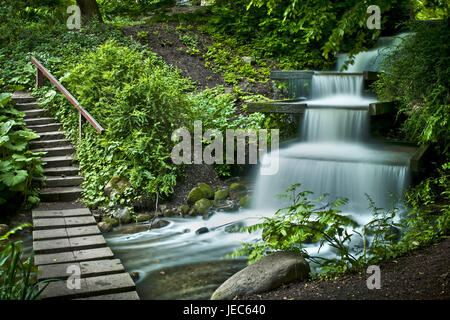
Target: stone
(97, 217)
(194, 195)
(159, 224)
(208, 192)
(123, 215)
(265, 274)
(118, 184)
(202, 230)
(134, 275)
(112, 221)
(202, 206)
(184, 209)
(104, 226)
(143, 217)
(226, 205)
(245, 202)
(236, 187)
(170, 212)
(3, 229)
(221, 194)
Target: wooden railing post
(39, 78)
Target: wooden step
(66, 222)
(50, 234)
(22, 97)
(56, 151)
(89, 287)
(64, 213)
(60, 171)
(68, 244)
(38, 121)
(59, 161)
(35, 113)
(131, 295)
(75, 256)
(60, 194)
(50, 127)
(58, 181)
(51, 135)
(27, 106)
(87, 269)
(49, 143)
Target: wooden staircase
(62, 181)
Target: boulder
(159, 224)
(184, 209)
(3, 229)
(116, 185)
(208, 192)
(123, 215)
(113, 222)
(202, 206)
(236, 187)
(104, 226)
(221, 194)
(245, 202)
(170, 212)
(143, 217)
(202, 230)
(194, 195)
(265, 274)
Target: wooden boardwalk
(67, 243)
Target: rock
(184, 209)
(221, 194)
(192, 212)
(248, 60)
(123, 215)
(4, 228)
(159, 224)
(113, 222)
(226, 205)
(208, 192)
(132, 228)
(97, 217)
(143, 217)
(235, 227)
(235, 187)
(202, 206)
(170, 212)
(118, 184)
(245, 202)
(265, 274)
(202, 230)
(194, 195)
(104, 226)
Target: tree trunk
(89, 9)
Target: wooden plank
(87, 269)
(93, 286)
(276, 107)
(291, 74)
(51, 246)
(73, 256)
(131, 295)
(80, 221)
(50, 234)
(61, 213)
(40, 224)
(83, 231)
(87, 242)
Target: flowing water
(333, 155)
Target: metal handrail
(40, 71)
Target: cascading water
(331, 156)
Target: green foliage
(139, 101)
(416, 75)
(386, 236)
(18, 165)
(16, 273)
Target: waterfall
(333, 155)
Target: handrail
(41, 70)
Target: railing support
(39, 78)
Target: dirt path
(422, 275)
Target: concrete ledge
(283, 106)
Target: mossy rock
(245, 202)
(116, 185)
(194, 195)
(192, 212)
(143, 217)
(221, 194)
(184, 209)
(208, 192)
(237, 187)
(170, 212)
(112, 221)
(202, 206)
